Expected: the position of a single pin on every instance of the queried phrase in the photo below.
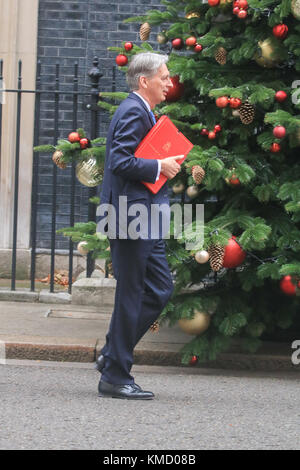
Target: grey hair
(144, 64)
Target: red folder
(164, 140)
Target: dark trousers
(144, 286)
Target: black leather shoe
(100, 363)
(126, 391)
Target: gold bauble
(196, 325)
(202, 256)
(192, 191)
(193, 14)
(178, 188)
(235, 113)
(162, 38)
(88, 172)
(270, 53)
(295, 7)
(56, 157)
(81, 247)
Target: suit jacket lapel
(141, 102)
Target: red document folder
(164, 140)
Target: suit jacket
(123, 173)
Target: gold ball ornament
(193, 14)
(162, 38)
(56, 157)
(295, 7)
(202, 256)
(145, 31)
(82, 248)
(235, 113)
(196, 325)
(270, 53)
(178, 188)
(192, 191)
(89, 173)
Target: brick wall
(71, 31)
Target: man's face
(157, 87)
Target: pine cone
(154, 327)
(145, 30)
(246, 113)
(198, 174)
(56, 157)
(216, 256)
(220, 56)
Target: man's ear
(143, 82)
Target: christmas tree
(236, 97)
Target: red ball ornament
(275, 148)
(128, 46)
(193, 360)
(204, 131)
(176, 92)
(234, 255)
(177, 43)
(218, 128)
(236, 4)
(191, 41)
(243, 4)
(222, 102)
(236, 10)
(211, 135)
(74, 137)
(235, 102)
(84, 143)
(198, 48)
(121, 60)
(280, 31)
(234, 181)
(242, 14)
(279, 132)
(280, 96)
(287, 286)
(213, 3)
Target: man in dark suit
(144, 283)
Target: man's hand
(170, 167)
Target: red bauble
(177, 43)
(74, 137)
(213, 3)
(193, 360)
(84, 143)
(280, 96)
(280, 31)
(176, 92)
(211, 135)
(222, 101)
(243, 4)
(235, 102)
(218, 128)
(191, 41)
(279, 132)
(234, 181)
(198, 48)
(236, 10)
(128, 46)
(242, 14)
(287, 286)
(204, 131)
(121, 60)
(234, 255)
(236, 4)
(275, 148)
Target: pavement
(76, 333)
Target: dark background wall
(70, 31)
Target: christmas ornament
(204, 131)
(235, 103)
(145, 30)
(177, 90)
(280, 31)
(193, 360)
(74, 137)
(235, 113)
(225, 3)
(243, 4)
(211, 135)
(270, 53)
(56, 157)
(275, 148)
(246, 112)
(121, 60)
(234, 181)
(217, 128)
(191, 41)
(82, 248)
(162, 38)
(222, 102)
(128, 46)
(192, 191)
(280, 96)
(213, 3)
(202, 256)
(197, 325)
(84, 143)
(178, 188)
(216, 256)
(177, 43)
(295, 8)
(198, 174)
(192, 14)
(234, 255)
(287, 286)
(242, 14)
(235, 10)
(220, 55)
(154, 327)
(198, 48)
(88, 172)
(279, 132)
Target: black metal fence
(91, 95)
